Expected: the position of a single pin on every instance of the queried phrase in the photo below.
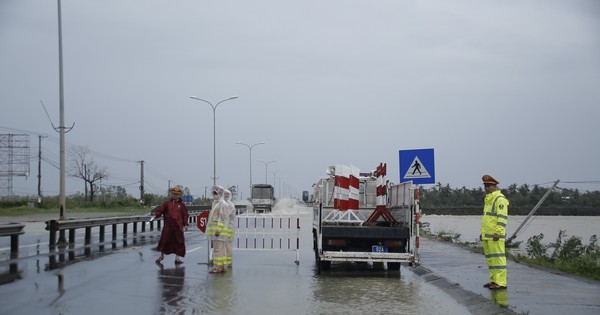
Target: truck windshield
(262, 192)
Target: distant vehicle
(305, 196)
(262, 197)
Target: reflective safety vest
(215, 219)
(229, 228)
(495, 216)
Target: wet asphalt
(95, 280)
(530, 290)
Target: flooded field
(469, 226)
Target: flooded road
(262, 281)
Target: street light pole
(274, 183)
(214, 108)
(279, 187)
(266, 168)
(250, 148)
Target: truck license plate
(379, 249)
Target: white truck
(262, 197)
(381, 230)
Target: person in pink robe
(172, 239)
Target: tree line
(441, 199)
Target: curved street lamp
(250, 148)
(266, 163)
(274, 173)
(214, 107)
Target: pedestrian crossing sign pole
(417, 166)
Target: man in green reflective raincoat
(493, 232)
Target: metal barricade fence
(268, 232)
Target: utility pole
(142, 182)
(39, 198)
(61, 126)
(62, 199)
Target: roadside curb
(476, 303)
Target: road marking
(194, 249)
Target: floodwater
(469, 226)
(262, 281)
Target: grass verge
(116, 211)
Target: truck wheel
(325, 265)
(393, 266)
(318, 263)
(322, 265)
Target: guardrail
(62, 233)
(60, 227)
(13, 230)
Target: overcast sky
(508, 88)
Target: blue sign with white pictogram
(417, 166)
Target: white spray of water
(291, 206)
(284, 206)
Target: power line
(118, 184)
(129, 179)
(154, 189)
(161, 176)
(103, 155)
(23, 131)
(52, 163)
(56, 141)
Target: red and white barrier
(346, 194)
(336, 190)
(341, 187)
(353, 202)
(381, 188)
(381, 209)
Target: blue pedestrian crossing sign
(417, 166)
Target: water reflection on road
(172, 282)
(265, 281)
(268, 283)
